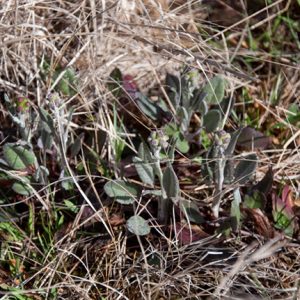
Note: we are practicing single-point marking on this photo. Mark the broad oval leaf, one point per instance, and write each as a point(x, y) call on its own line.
point(212, 120)
point(191, 211)
point(145, 171)
point(22, 188)
point(170, 183)
point(124, 192)
point(18, 157)
point(215, 90)
point(250, 139)
point(245, 168)
point(138, 225)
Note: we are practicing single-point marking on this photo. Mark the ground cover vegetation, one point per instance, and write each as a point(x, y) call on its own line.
point(149, 149)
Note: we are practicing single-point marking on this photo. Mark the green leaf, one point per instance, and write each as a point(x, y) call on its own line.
point(197, 100)
point(148, 107)
point(233, 140)
point(245, 168)
point(138, 225)
point(215, 90)
point(76, 146)
point(182, 144)
point(71, 206)
point(170, 182)
point(68, 83)
point(115, 82)
point(144, 152)
point(145, 171)
point(191, 211)
point(18, 157)
point(173, 84)
point(183, 118)
point(124, 192)
point(22, 188)
point(255, 200)
point(212, 120)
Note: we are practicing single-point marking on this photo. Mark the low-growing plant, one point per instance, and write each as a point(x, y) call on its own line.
point(187, 100)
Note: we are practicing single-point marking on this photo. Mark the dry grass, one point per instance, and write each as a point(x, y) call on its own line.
point(146, 39)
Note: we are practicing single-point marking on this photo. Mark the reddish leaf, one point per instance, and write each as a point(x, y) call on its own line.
point(252, 139)
point(262, 223)
point(188, 234)
point(130, 86)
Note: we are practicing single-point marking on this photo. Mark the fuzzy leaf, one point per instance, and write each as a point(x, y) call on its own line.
point(191, 211)
point(149, 108)
point(22, 188)
point(215, 90)
point(115, 82)
point(212, 120)
point(138, 225)
point(245, 168)
point(124, 192)
point(145, 171)
point(18, 157)
point(144, 152)
point(170, 182)
point(233, 140)
point(198, 98)
point(76, 146)
point(183, 118)
point(250, 139)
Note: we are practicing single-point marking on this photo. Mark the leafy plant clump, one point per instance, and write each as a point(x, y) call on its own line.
point(154, 163)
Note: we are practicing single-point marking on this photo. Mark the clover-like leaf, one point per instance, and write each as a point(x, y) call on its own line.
point(18, 157)
point(245, 168)
point(138, 225)
point(170, 182)
point(212, 120)
point(215, 90)
point(124, 192)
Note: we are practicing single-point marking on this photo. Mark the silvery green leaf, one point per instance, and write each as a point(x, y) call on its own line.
point(245, 168)
point(138, 226)
point(19, 157)
point(197, 100)
point(76, 146)
point(66, 181)
point(183, 118)
point(215, 90)
point(124, 192)
point(145, 171)
point(203, 108)
point(170, 182)
point(212, 120)
point(232, 144)
point(182, 144)
point(149, 108)
point(144, 152)
point(191, 211)
point(22, 188)
point(152, 192)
